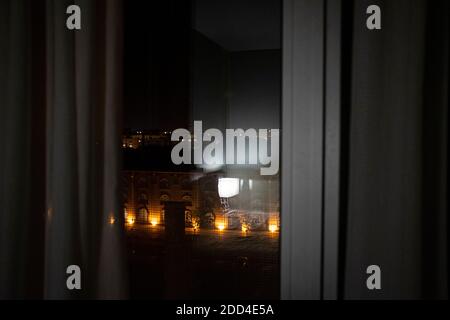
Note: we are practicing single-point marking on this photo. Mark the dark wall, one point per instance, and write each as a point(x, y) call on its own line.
point(210, 82)
point(237, 89)
point(255, 89)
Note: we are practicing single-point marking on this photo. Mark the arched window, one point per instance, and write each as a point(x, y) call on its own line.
point(186, 184)
point(143, 197)
point(164, 184)
point(187, 198)
point(142, 182)
point(164, 197)
point(188, 217)
point(143, 214)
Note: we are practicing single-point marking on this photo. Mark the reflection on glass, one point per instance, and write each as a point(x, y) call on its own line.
point(208, 226)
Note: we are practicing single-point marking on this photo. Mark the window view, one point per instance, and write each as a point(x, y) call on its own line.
point(200, 178)
point(142, 153)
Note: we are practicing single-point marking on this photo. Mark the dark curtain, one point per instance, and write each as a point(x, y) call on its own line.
point(397, 214)
point(60, 100)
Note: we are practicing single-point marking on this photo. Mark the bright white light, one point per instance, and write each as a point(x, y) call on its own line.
point(228, 187)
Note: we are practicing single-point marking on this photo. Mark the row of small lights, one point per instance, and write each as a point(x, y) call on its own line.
point(220, 226)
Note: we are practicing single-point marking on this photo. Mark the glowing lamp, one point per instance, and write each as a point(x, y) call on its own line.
point(273, 228)
point(196, 225)
point(130, 220)
point(228, 187)
point(221, 226)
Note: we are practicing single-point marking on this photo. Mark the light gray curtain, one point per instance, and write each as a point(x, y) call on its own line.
point(397, 212)
point(74, 78)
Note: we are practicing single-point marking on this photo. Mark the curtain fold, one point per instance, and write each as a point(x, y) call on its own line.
point(15, 159)
point(112, 269)
point(398, 130)
point(75, 80)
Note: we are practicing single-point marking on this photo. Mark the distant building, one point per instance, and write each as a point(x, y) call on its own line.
point(145, 192)
point(150, 179)
point(133, 139)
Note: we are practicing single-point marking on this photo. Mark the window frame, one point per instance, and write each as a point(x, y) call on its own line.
point(310, 152)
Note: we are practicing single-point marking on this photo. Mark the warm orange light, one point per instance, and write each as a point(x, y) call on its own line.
point(195, 224)
point(112, 220)
point(153, 219)
point(244, 228)
point(273, 228)
point(130, 219)
point(220, 222)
